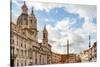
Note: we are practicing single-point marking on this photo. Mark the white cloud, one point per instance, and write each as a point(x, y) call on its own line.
point(89, 26)
point(78, 38)
point(57, 37)
point(46, 19)
point(83, 10)
point(13, 16)
point(53, 33)
point(63, 24)
point(43, 5)
point(40, 35)
point(73, 50)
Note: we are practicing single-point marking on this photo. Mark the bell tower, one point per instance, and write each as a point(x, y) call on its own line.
point(32, 20)
point(45, 36)
point(32, 23)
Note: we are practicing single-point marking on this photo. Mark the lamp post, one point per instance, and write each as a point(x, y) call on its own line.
point(90, 52)
point(67, 51)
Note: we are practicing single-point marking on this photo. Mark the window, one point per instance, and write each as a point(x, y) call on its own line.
point(21, 52)
point(12, 51)
point(17, 63)
point(31, 21)
point(12, 34)
point(17, 50)
point(12, 41)
point(25, 19)
point(25, 62)
point(21, 44)
point(25, 52)
point(23, 33)
point(44, 35)
point(26, 22)
point(22, 63)
point(25, 45)
point(17, 41)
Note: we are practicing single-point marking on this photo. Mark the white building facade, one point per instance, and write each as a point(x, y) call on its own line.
point(25, 49)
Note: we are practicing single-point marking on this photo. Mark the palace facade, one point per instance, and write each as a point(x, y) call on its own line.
point(56, 58)
point(89, 54)
point(24, 45)
point(70, 58)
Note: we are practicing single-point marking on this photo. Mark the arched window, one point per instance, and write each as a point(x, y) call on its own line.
point(17, 62)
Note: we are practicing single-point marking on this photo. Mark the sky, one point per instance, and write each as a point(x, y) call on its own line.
point(64, 22)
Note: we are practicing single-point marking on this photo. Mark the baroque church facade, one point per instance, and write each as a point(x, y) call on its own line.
point(24, 45)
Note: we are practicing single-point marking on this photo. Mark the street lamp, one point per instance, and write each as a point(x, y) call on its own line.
point(90, 52)
point(67, 51)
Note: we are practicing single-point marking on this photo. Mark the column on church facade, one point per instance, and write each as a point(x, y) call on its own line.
point(33, 58)
point(46, 59)
point(38, 58)
point(42, 59)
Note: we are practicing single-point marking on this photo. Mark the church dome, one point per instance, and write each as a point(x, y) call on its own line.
point(23, 18)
